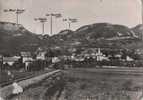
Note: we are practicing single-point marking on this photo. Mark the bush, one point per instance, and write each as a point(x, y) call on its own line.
point(37, 65)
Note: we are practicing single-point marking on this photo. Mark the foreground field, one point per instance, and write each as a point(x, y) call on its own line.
point(6, 79)
point(6, 92)
point(89, 84)
point(104, 84)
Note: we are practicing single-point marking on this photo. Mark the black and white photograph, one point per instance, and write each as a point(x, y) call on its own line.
point(71, 49)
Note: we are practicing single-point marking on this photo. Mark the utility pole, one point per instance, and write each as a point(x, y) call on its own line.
point(1, 61)
point(17, 12)
point(42, 21)
point(70, 21)
point(51, 15)
point(142, 16)
point(142, 10)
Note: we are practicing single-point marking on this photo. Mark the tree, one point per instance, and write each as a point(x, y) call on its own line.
point(49, 53)
point(37, 65)
point(18, 65)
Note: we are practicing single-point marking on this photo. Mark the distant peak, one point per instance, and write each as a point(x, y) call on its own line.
point(140, 26)
point(10, 23)
point(65, 32)
point(10, 26)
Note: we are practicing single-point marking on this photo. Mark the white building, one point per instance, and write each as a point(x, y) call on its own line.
point(100, 56)
point(129, 58)
point(41, 55)
point(10, 60)
point(26, 58)
point(55, 60)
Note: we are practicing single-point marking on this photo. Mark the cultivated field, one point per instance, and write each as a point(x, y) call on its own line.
point(89, 84)
point(104, 84)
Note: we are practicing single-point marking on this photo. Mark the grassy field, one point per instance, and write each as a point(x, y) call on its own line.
point(101, 84)
point(90, 84)
point(36, 88)
point(6, 79)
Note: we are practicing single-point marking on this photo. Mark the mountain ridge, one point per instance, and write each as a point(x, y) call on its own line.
point(15, 38)
point(138, 30)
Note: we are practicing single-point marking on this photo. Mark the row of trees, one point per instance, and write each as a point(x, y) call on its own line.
point(94, 64)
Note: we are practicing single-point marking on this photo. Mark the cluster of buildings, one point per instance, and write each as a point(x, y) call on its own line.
point(99, 55)
point(94, 53)
point(24, 57)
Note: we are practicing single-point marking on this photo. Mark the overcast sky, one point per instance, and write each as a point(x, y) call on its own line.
point(125, 12)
